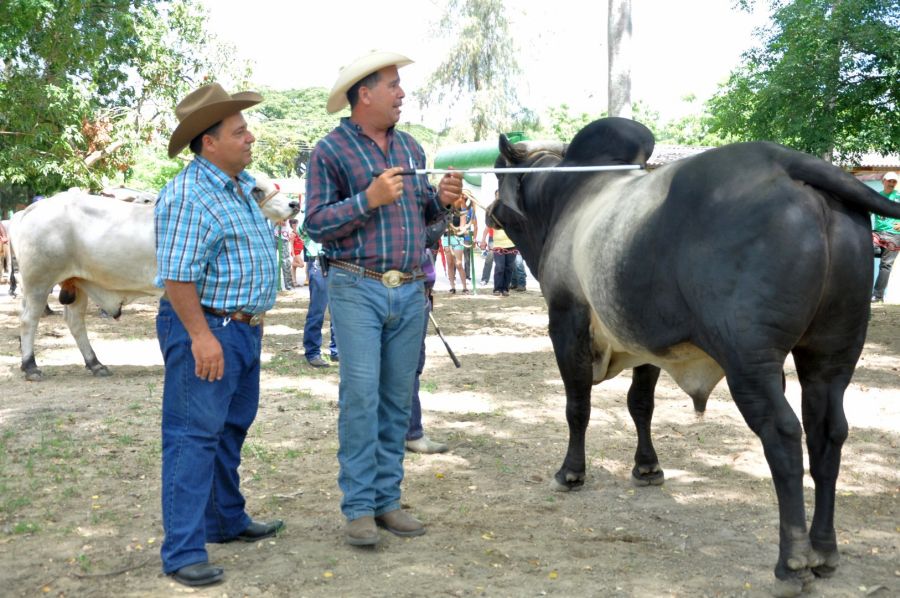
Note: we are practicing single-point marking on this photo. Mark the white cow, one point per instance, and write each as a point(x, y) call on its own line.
point(97, 248)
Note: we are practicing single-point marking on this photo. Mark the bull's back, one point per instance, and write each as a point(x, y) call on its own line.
point(708, 252)
point(78, 236)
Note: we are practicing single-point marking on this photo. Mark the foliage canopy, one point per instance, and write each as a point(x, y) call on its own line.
point(85, 82)
point(824, 79)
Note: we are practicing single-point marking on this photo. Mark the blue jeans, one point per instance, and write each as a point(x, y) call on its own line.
point(415, 430)
point(380, 334)
point(504, 266)
point(315, 314)
point(518, 276)
point(203, 428)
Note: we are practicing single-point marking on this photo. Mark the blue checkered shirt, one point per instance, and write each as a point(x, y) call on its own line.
point(207, 233)
point(390, 237)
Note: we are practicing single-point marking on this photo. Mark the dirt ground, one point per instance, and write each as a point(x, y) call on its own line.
point(79, 474)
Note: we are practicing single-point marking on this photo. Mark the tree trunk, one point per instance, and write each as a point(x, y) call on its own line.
point(619, 42)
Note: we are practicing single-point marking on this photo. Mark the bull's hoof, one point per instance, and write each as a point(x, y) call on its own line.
point(34, 375)
point(648, 475)
point(787, 588)
point(99, 370)
point(826, 565)
point(567, 482)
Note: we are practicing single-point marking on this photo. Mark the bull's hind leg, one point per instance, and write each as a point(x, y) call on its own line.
point(34, 301)
point(826, 430)
point(640, 405)
point(569, 329)
point(757, 391)
point(75, 312)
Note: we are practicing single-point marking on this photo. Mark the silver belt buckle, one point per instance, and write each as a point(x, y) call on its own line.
point(392, 278)
point(256, 319)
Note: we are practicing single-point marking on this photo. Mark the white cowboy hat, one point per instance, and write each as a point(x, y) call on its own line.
point(359, 69)
point(203, 108)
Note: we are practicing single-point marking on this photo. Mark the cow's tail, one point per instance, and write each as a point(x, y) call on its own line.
point(842, 185)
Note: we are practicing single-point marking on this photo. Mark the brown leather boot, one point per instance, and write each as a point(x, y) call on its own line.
point(400, 524)
point(361, 531)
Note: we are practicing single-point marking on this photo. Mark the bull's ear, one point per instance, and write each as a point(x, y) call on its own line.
point(506, 149)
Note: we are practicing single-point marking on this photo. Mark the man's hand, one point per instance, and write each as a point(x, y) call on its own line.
point(208, 357)
point(450, 190)
point(385, 189)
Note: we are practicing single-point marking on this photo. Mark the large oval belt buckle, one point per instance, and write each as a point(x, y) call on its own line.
point(256, 320)
point(392, 278)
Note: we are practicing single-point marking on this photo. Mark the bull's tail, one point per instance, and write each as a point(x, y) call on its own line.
point(841, 185)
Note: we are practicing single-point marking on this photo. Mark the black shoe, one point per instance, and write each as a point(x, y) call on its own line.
point(335, 359)
point(877, 299)
point(198, 574)
point(258, 530)
point(318, 362)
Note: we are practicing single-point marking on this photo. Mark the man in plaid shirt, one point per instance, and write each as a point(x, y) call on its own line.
point(372, 230)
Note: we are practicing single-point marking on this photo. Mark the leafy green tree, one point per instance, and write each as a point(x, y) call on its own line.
point(823, 80)
point(85, 82)
point(287, 126)
point(480, 69)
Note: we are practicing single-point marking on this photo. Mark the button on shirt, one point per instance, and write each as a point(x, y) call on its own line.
point(390, 237)
point(207, 233)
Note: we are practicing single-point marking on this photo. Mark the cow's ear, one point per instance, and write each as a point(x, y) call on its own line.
point(506, 149)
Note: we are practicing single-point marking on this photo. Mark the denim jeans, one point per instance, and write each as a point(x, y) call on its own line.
point(488, 265)
point(887, 263)
point(518, 276)
point(315, 315)
point(379, 331)
point(504, 266)
point(415, 430)
point(203, 428)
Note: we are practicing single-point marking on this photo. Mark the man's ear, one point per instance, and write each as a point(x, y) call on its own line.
point(365, 95)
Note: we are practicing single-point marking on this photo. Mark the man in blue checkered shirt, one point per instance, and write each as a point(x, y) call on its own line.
point(217, 261)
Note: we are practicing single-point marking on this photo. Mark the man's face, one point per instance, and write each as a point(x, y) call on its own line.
point(386, 97)
point(230, 149)
point(889, 185)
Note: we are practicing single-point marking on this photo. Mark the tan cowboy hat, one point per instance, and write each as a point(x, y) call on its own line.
point(203, 108)
point(359, 69)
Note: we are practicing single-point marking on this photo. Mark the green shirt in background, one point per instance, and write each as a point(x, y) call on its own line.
point(884, 224)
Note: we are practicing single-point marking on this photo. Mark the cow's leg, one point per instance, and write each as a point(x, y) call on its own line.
point(75, 313)
point(826, 430)
point(569, 329)
point(33, 303)
point(640, 405)
point(758, 393)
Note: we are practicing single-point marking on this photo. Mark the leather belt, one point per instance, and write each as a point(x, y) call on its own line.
point(390, 279)
point(237, 316)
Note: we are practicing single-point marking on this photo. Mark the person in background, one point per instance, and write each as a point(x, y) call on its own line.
point(487, 251)
point(505, 253)
point(372, 228)
point(216, 260)
point(469, 232)
point(285, 251)
point(416, 439)
point(452, 242)
point(887, 234)
point(297, 261)
point(315, 313)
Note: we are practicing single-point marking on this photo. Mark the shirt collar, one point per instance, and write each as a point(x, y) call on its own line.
point(353, 127)
point(217, 176)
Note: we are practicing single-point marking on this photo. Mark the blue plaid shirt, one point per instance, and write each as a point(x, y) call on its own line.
point(390, 237)
point(207, 233)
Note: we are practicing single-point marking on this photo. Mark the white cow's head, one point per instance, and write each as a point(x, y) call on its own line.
point(275, 206)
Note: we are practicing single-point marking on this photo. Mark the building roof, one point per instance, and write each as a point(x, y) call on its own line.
point(663, 154)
